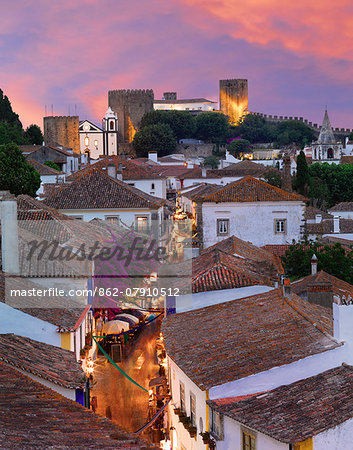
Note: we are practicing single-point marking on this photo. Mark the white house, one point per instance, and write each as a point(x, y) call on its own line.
point(251, 210)
point(48, 175)
point(97, 195)
point(344, 210)
point(246, 348)
point(141, 177)
point(54, 367)
point(170, 102)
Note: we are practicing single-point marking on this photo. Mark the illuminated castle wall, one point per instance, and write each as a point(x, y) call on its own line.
point(233, 98)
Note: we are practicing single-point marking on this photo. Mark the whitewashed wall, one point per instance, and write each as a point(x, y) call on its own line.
point(14, 321)
point(233, 438)
point(338, 438)
point(183, 436)
point(253, 221)
point(342, 214)
point(160, 189)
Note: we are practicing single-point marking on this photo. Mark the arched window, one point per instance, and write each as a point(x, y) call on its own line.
point(86, 141)
point(111, 125)
point(330, 153)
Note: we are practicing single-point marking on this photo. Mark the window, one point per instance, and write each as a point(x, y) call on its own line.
point(222, 227)
point(131, 184)
point(249, 441)
point(86, 141)
point(141, 224)
point(77, 217)
point(280, 226)
point(182, 396)
point(193, 409)
point(112, 219)
point(111, 125)
point(96, 143)
point(216, 424)
point(152, 186)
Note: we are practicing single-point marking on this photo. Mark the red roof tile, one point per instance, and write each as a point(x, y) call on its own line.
point(298, 411)
point(95, 190)
point(43, 169)
point(45, 361)
point(233, 340)
point(34, 416)
point(251, 189)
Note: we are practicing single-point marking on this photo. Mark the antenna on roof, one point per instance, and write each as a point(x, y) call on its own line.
point(45, 110)
point(69, 109)
point(75, 109)
point(52, 109)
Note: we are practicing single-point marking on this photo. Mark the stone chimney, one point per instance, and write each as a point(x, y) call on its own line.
point(119, 174)
point(153, 156)
point(203, 172)
point(314, 265)
point(336, 224)
point(286, 287)
point(320, 293)
point(112, 170)
point(286, 176)
point(9, 233)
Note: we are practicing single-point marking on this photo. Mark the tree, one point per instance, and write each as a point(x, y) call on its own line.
point(6, 113)
point(182, 123)
point(273, 177)
point(11, 133)
point(53, 165)
point(333, 259)
point(16, 175)
point(158, 137)
point(238, 147)
point(255, 129)
point(303, 178)
point(211, 126)
point(293, 132)
point(33, 135)
point(211, 161)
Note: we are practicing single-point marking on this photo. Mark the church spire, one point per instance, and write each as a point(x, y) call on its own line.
point(326, 134)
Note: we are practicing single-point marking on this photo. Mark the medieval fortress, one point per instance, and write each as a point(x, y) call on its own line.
point(128, 106)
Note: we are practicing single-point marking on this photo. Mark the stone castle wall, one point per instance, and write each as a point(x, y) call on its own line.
point(130, 105)
point(62, 130)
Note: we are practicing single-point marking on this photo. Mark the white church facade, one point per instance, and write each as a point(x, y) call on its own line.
point(96, 141)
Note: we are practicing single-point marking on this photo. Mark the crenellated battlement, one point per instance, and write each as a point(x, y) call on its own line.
point(132, 92)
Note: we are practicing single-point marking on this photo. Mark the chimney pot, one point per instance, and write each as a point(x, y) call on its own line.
point(153, 156)
point(336, 224)
point(314, 265)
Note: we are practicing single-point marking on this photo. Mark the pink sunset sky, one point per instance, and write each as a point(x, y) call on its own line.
point(297, 56)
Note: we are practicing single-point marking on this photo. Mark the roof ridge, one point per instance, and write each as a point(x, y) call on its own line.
point(307, 318)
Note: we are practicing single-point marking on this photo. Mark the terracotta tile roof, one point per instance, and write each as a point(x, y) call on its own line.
point(340, 288)
point(45, 361)
point(43, 169)
point(130, 171)
point(233, 340)
point(219, 270)
point(49, 188)
point(63, 312)
point(251, 189)
point(246, 167)
point(203, 188)
point(311, 212)
point(343, 206)
point(277, 250)
point(346, 159)
point(326, 226)
point(96, 190)
point(29, 148)
point(234, 245)
point(34, 416)
point(298, 411)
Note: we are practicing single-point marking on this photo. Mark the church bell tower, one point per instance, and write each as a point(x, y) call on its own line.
point(110, 133)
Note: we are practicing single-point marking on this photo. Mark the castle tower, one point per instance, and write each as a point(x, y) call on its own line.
point(62, 130)
point(129, 107)
point(110, 133)
point(233, 98)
